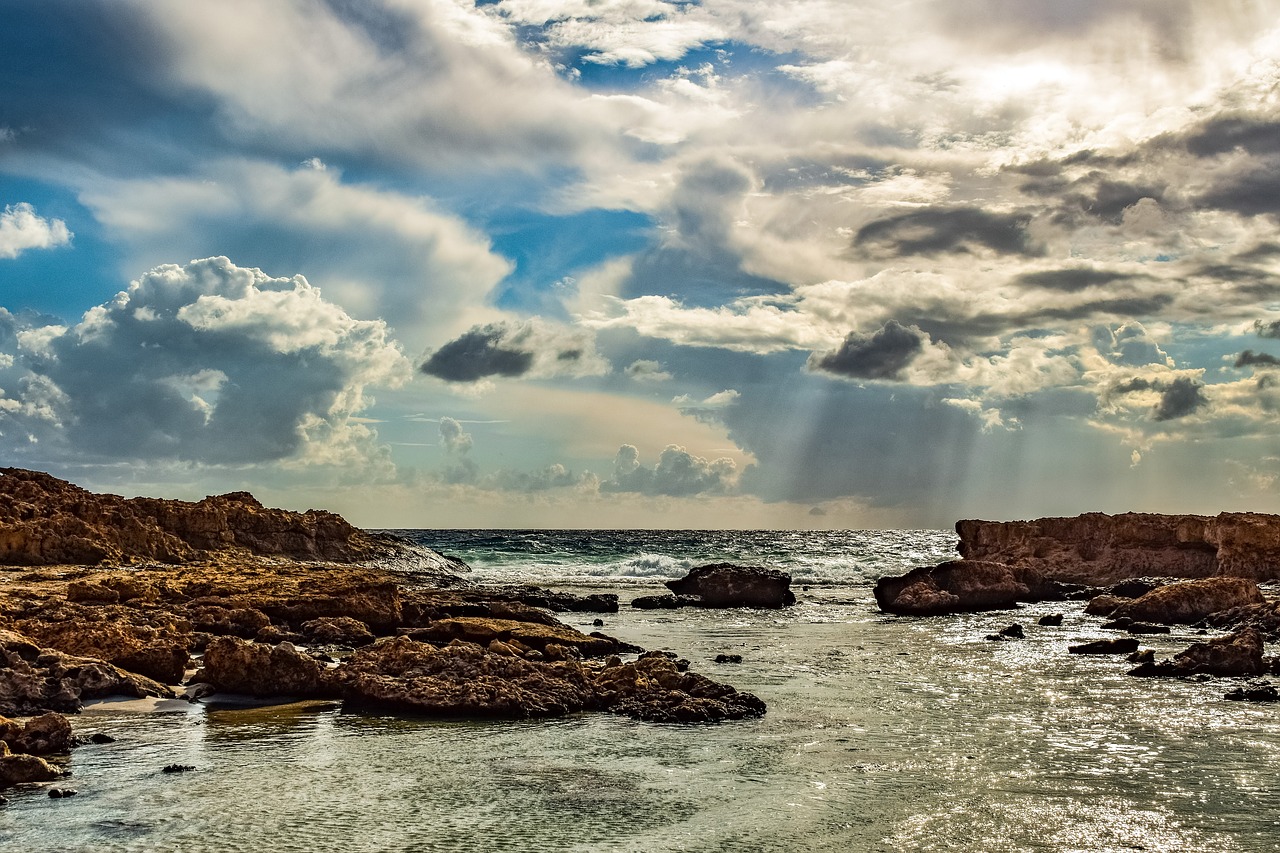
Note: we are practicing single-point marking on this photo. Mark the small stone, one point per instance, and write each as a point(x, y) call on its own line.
point(99, 737)
point(1261, 691)
point(61, 793)
point(723, 658)
point(1147, 628)
point(177, 768)
point(597, 623)
point(1118, 646)
point(1144, 656)
point(1014, 631)
point(1051, 620)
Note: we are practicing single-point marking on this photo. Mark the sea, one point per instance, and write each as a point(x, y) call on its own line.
point(882, 734)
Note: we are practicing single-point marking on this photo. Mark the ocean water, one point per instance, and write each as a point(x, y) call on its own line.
point(883, 734)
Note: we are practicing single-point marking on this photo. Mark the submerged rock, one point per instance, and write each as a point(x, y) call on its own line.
point(1051, 620)
point(1118, 646)
point(1260, 691)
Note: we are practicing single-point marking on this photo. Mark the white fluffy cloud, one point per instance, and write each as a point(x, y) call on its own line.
point(206, 362)
point(21, 228)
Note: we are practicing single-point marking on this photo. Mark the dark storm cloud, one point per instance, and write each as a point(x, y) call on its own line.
point(944, 230)
point(1180, 398)
point(1226, 133)
point(1267, 330)
point(881, 355)
point(1249, 358)
point(1097, 194)
point(480, 352)
point(1253, 191)
point(1071, 279)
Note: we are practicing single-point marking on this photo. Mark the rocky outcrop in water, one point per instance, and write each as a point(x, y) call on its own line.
point(1099, 549)
point(728, 585)
point(1238, 654)
point(960, 586)
point(1189, 601)
point(48, 521)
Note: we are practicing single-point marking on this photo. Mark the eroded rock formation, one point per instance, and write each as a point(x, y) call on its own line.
point(47, 521)
point(961, 586)
point(1098, 549)
point(728, 585)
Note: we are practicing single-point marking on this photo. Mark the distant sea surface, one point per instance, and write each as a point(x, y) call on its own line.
point(883, 734)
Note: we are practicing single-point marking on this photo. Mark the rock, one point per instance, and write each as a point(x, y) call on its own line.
point(1051, 620)
point(597, 623)
point(47, 734)
point(728, 585)
point(1118, 646)
point(557, 602)
point(235, 666)
point(21, 769)
point(177, 768)
point(1013, 632)
point(378, 605)
point(1237, 654)
point(1135, 587)
point(337, 630)
point(48, 521)
point(1261, 691)
point(533, 635)
point(135, 648)
point(1146, 628)
point(1101, 549)
point(1190, 601)
point(274, 634)
point(61, 793)
point(243, 622)
point(465, 680)
point(34, 680)
point(725, 658)
point(1104, 605)
point(100, 737)
point(658, 602)
point(196, 691)
point(1144, 656)
point(959, 586)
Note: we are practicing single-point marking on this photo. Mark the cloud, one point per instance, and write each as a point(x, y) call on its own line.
point(22, 229)
point(884, 354)
point(1249, 358)
point(453, 438)
point(677, 473)
point(647, 370)
point(966, 230)
point(378, 252)
point(1180, 398)
point(533, 348)
point(1129, 345)
point(212, 363)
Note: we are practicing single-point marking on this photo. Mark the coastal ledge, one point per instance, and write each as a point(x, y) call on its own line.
point(1099, 549)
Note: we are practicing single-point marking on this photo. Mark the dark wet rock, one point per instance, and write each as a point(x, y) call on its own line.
point(101, 737)
point(727, 658)
point(1117, 625)
point(666, 601)
point(233, 665)
point(1014, 632)
point(728, 585)
point(597, 623)
point(1189, 601)
point(1144, 656)
point(1264, 616)
point(1118, 646)
point(959, 586)
point(557, 602)
point(1135, 587)
point(1258, 691)
point(177, 768)
point(1051, 620)
point(1238, 654)
point(61, 793)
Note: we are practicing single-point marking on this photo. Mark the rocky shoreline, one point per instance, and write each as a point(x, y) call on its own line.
point(224, 595)
point(1107, 562)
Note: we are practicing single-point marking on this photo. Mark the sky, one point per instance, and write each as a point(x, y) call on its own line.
point(646, 263)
